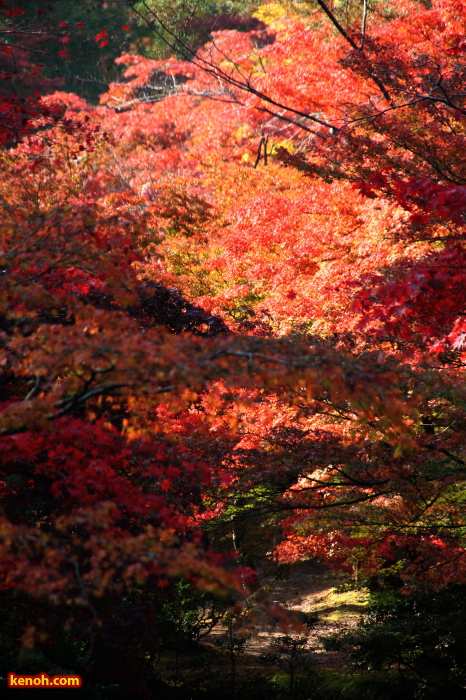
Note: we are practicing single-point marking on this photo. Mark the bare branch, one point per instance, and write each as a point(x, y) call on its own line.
point(352, 43)
point(363, 24)
point(243, 83)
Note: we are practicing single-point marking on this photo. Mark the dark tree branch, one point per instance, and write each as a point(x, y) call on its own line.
point(353, 44)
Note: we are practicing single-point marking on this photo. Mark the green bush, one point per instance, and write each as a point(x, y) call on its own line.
point(416, 642)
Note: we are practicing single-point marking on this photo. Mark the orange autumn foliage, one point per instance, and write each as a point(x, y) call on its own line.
point(236, 287)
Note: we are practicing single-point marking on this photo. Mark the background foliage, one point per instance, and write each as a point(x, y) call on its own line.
point(232, 335)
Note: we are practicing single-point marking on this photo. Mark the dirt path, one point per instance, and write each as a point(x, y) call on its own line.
point(309, 588)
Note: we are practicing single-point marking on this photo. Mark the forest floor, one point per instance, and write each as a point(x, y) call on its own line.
point(308, 588)
point(305, 588)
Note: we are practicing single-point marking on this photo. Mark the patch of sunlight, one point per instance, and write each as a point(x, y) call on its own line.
point(333, 605)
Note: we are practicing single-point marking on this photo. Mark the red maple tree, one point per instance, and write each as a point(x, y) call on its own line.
point(235, 289)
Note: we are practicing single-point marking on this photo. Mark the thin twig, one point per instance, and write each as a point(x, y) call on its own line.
point(363, 25)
